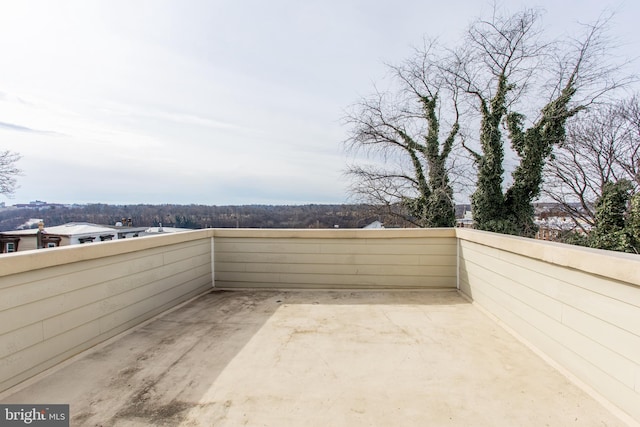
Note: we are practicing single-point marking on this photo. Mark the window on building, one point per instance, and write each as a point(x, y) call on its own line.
point(10, 247)
point(51, 245)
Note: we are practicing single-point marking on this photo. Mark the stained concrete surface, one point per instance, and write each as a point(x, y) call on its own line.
point(316, 358)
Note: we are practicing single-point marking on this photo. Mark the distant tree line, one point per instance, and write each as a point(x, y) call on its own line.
point(203, 216)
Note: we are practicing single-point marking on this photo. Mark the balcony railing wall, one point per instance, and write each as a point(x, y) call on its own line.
point(578, 307)
point(329, 259)
point(55, 303)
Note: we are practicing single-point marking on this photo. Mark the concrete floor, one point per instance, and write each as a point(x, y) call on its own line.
point(311, 358)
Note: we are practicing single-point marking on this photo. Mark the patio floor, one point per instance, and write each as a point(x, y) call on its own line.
point(315, 358)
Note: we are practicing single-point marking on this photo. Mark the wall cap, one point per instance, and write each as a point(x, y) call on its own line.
point(620, 266)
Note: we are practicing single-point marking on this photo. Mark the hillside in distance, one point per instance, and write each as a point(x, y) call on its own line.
point(203, 216)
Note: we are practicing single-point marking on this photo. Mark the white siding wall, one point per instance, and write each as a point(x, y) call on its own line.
point(580, 307)
point(55, 303)
point(324, 259)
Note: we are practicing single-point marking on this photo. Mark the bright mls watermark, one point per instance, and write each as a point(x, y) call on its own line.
point(34, 415)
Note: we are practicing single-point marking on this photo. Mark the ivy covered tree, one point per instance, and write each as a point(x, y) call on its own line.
point(633, 223)
point(617, 220)
point(404, 128)
point(505, 93)
point(610, 230)
point(500, 65)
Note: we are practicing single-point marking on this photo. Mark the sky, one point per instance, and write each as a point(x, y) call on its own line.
point(214, 101)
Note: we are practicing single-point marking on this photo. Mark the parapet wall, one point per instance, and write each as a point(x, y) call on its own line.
point(330, 259)
point(578, 306)
point(55, 303)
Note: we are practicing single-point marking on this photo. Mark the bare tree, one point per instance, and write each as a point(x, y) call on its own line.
point(602, 146)
point(401, 130)
point(629, 158)
point(8, 172)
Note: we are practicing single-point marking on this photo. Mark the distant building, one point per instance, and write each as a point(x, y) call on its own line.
point(374, 224)
point(73, 233)
point(38, 204)
point(152, 231)
point(551, 227)
point(9, 243)
point(62, 235)
point(466, 221)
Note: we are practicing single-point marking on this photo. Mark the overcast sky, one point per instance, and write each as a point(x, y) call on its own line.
point(212, 102)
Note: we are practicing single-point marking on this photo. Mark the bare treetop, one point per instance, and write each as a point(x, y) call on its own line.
point(8, 172)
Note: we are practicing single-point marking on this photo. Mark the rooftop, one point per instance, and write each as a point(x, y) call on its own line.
point(324, 327)
point(316, 358)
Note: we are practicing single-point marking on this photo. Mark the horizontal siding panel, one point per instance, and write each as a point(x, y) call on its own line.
point(622, 396)
point(333, 247)
point(510, 265)
point(43, 355)
point(609, 335)
point(187, 250)
point(625, 292)
point(573, 294)
point(347, 269)
point(115, 287)
point(488, 272)
point(49, 314)
point(533, 317)
point(351, 259)
point(19, 317)
point(304, 238)
point(92, 265)
point(97, 267)
point(59, 282)
point(323, 280)
point(430, 283)
point(42, 274)
point(483, 296)
point(15, 341)
point(596, 337)
point(623, 315)
point(613, 364)
point(613, 266)
point(65, 321)
point(46, 308)
point(335, 262)
point(336, 234)
point(148, 307)
point(141, 293)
